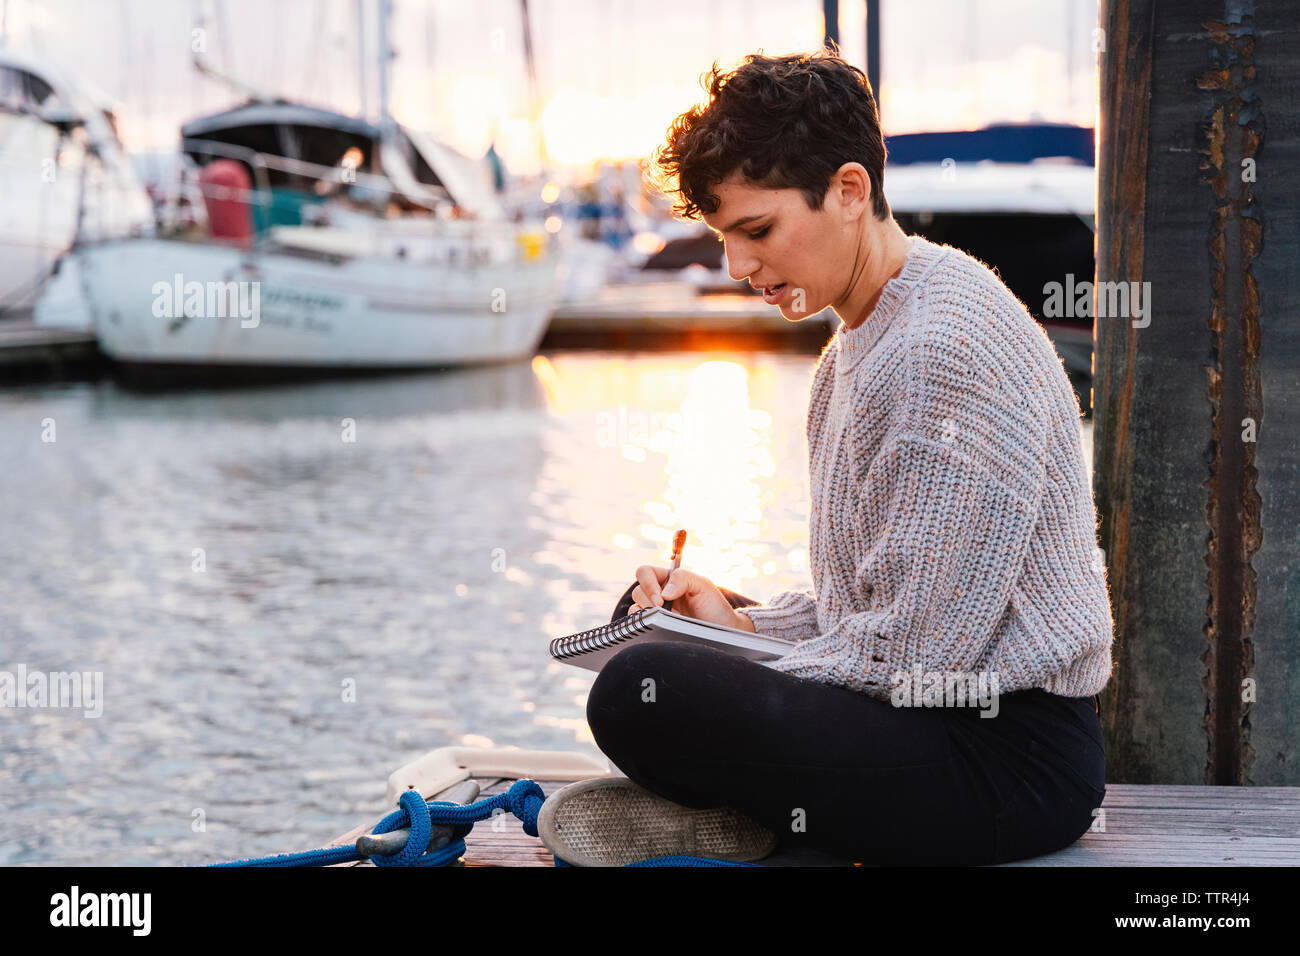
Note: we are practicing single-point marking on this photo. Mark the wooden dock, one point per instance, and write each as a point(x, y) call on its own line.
point(675, 315)
point(1142, 826)
point(1188, 826)
point(28, 350)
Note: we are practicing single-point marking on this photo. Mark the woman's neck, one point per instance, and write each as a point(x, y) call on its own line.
point(885, 253)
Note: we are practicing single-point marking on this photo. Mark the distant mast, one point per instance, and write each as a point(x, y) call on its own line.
point(362, 56)
point(831, 38)
point(222, 75)
point(873, 50)
point(534, 94)
point(831, 24)
point(385, 61)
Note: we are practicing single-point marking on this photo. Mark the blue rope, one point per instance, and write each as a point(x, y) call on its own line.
point(524, 799)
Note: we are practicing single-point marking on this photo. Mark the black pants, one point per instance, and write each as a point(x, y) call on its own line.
point(833, 770)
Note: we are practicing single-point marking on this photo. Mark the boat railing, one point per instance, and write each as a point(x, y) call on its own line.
point(260, 163)
point(438, 202)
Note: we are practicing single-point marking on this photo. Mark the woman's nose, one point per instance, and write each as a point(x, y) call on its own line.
point(740, 266)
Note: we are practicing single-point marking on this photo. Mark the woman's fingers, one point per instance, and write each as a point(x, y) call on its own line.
point(639, 599)
point(649, 579)
point(679, 583)
point(656, 585)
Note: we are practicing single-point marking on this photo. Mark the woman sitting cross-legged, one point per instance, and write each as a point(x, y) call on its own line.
point(939, 705)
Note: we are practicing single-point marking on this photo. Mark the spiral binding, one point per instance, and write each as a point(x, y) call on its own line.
point(600, 638)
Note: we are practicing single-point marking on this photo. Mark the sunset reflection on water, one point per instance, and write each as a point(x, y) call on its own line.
point(686, 440)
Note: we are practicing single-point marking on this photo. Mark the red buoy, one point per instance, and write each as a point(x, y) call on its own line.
point(226, 195)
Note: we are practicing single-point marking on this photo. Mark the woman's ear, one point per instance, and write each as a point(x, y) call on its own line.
point(851, 189)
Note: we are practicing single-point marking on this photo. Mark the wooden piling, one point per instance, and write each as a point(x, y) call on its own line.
point(1197, 402)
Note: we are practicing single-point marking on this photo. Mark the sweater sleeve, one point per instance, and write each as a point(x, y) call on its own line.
point(950, 539)
point(791, 615)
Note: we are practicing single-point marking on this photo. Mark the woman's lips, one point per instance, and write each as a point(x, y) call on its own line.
point(774, 294)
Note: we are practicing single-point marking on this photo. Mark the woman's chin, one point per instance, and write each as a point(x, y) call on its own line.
point(790, 314)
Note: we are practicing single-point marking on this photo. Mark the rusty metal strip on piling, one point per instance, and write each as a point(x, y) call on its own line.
point(1232, 132)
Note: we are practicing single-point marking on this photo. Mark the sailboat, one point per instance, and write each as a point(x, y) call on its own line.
point(65, 174)
point(331, 242)
point(1018, 196)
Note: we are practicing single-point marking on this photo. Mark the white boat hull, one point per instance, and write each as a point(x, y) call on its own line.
point(38, 208)
point(49, 185)
point(371, 312)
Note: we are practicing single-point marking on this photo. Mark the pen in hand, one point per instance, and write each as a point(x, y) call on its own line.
point(679, 542)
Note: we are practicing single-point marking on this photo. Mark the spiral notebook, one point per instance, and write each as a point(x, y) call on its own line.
point(590, 649)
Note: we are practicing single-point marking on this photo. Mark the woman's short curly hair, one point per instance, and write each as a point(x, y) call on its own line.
point(783, 121)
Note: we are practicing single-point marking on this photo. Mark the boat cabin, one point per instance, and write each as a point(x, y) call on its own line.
point(298, 157)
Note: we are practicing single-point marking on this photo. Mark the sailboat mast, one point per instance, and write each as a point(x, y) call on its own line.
point(873, 49)
point(385, 59)
point(199, 58)
point(361, 55)
point(534, 94)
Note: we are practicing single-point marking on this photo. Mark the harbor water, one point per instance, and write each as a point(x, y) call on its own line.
point(287, 592)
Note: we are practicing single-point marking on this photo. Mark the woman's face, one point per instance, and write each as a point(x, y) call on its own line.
point(774, 240)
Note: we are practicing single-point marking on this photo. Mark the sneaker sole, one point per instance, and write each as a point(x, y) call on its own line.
point(612, 821)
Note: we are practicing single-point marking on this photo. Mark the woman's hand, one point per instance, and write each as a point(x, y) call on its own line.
point(692, 594)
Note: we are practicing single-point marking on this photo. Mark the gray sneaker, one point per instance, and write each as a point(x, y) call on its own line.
point(611, 821)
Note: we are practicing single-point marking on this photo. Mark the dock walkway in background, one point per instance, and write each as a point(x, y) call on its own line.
point(27, 348)
point(674, 314)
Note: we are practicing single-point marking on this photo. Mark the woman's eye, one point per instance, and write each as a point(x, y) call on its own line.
point(761, 233)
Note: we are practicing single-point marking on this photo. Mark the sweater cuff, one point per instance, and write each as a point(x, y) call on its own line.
point(790, 615)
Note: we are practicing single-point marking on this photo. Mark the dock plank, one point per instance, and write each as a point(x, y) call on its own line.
point(1188, 826)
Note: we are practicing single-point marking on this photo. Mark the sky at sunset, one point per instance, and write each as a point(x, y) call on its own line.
point(612, 74)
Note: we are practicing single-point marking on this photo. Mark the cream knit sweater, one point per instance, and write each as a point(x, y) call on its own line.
point(952, 526)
